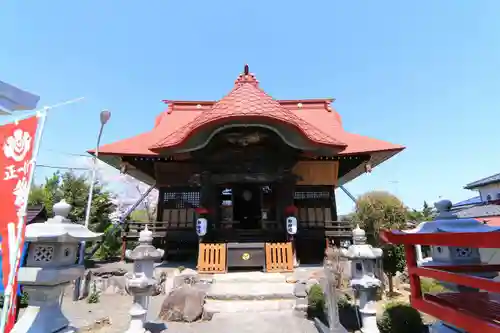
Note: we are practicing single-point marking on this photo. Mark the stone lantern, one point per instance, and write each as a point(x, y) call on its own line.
point(141, 284)
point(446, 221)
point(363, 259)
point(49, 269)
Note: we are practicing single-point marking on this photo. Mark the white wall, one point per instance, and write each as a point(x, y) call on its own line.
point(490, 256)
point(493, 190)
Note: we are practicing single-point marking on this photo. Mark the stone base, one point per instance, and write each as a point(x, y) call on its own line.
point(43, 315)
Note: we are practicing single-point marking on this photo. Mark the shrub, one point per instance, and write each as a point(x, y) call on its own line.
point(23, 300)
point(181, 268)
point(399, 317)
point(316, 302)
point(431, 286)
point(344, 301)
point(95, 295)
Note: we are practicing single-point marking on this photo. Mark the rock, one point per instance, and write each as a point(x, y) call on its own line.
point(183, 304)
point(291, 279)
point(188, 272)
point(311, 282)
point(162, 277)
point(403, 277)
point(106, 272)
point(114, 285)
point(300, 290)
point(301, 304)
point(85, 286)
point(187, 276)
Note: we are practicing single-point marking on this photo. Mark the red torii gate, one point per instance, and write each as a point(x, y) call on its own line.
point(472, 311)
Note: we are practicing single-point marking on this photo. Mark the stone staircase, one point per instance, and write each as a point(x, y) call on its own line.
point(250, 292)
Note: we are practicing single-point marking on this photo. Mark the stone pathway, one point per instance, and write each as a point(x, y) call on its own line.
point(114, 308)
point(254, 311)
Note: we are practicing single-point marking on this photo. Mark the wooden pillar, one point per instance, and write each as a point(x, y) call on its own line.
point(208, 200)
point(286, 196)
point(411, 262)
point(124, 248)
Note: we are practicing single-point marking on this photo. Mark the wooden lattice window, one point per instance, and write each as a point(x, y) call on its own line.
point(315, 205)
point(178, 198)
point(313, 196)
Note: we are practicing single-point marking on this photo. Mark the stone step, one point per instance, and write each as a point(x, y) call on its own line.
point(247, 277)
point(251, 291)
point(218, 306)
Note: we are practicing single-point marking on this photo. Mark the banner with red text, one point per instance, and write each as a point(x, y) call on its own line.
point(16, 161)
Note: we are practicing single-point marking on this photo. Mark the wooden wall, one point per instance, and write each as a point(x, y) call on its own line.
point(317, 172)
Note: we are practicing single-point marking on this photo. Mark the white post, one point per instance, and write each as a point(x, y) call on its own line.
point(420, 257)
point(104, 117)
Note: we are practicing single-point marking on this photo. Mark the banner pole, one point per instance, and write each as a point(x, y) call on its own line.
point(14, 254)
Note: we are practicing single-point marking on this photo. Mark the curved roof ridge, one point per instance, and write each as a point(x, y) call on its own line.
point(247, 99)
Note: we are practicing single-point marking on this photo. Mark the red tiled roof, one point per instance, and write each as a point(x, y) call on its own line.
point(315, 118)
point(249, 101)
point(493, 221)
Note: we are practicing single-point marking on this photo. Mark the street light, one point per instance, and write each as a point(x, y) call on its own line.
point(104, 118)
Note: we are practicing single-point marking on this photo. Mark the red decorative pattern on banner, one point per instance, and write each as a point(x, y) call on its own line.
point(18, 140)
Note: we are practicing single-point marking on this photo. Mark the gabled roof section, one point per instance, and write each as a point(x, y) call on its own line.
point(247, 100)
point(483, 182)
point(316, 119)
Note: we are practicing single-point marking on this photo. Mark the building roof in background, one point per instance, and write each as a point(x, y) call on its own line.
point(489, 213)
point(471, 201)
point(34, 212)
point(15, 99)
point(483, 182)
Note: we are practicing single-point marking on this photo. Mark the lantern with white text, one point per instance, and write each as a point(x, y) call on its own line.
point(291, 225)
point(201, 226)
point(201, 222)
point(291, 220)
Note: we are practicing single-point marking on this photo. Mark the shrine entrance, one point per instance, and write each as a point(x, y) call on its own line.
point(247, 205)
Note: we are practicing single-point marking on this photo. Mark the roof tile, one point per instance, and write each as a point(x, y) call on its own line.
point(248, 100)
point(482, 182)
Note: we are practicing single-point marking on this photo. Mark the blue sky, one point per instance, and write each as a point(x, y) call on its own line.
point(425, 74)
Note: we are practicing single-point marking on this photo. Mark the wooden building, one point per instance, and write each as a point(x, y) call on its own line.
point(245, 160)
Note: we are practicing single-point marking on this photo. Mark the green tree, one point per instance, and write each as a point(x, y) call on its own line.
point(426, 214)
point(74, 189)
point(377, 211)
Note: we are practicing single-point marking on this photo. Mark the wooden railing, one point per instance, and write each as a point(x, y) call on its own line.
point(339, 229)
point(279, 257)
point(132, 229)
point(212, 258)
point(474, 311)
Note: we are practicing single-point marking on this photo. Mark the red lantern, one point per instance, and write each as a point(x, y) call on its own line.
point(201, 211)
point(290, 210)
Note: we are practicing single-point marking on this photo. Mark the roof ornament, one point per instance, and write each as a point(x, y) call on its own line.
point(246, 77)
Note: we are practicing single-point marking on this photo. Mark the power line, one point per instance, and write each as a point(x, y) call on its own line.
point(66, 153)
point(60, 167)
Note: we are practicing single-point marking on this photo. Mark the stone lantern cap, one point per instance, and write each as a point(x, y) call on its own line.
point(446, 221)
point(145, 251)
point(59, 228)
point(361, 250)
